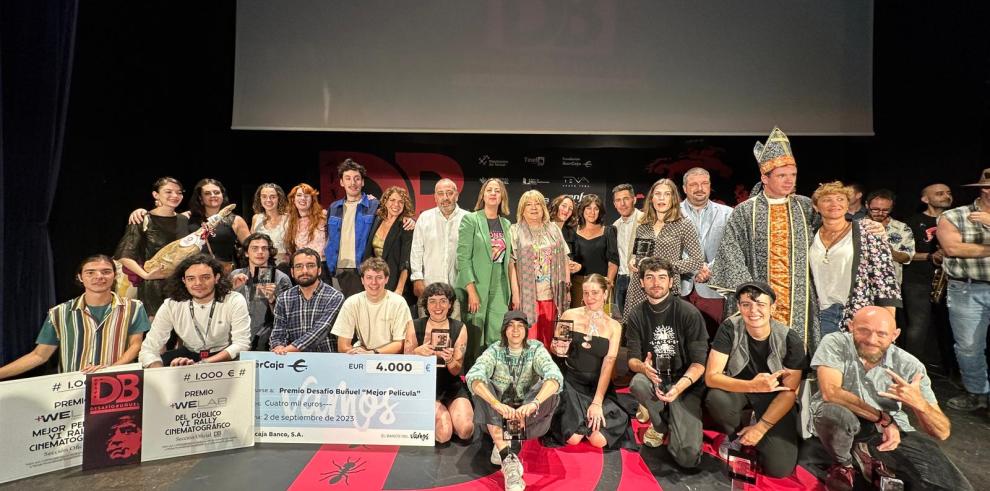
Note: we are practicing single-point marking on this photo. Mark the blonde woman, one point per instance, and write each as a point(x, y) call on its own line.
point(663, 232)
point(271, 208)
point(484, 249)
point(538, 273)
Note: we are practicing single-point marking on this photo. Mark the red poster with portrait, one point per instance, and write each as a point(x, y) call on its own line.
point(112, 419)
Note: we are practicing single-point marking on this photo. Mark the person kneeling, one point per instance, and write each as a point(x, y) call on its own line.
point(757, 362)
point(432, 336)
point(668, 329)
point(515, 385)
point(864, 383)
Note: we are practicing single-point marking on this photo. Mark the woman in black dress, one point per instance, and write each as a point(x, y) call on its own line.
point(454, 412)
point(589, 408)
point(594, 247)
point(142, 240)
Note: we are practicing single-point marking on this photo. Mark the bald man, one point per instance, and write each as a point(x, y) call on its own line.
point(433, 257)
point(866, 383)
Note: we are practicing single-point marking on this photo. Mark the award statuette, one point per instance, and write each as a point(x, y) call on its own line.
point(440, 339)
point(741, 466)
point(663, 370)
point(642, 247)
point(562, 333)
point(512, 429)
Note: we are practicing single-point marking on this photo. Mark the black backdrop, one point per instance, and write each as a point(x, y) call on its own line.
point(152, 88)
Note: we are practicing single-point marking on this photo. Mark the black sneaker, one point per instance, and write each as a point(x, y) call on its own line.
point(968, 402)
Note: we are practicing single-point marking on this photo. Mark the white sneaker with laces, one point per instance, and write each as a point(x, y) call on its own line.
point(496, 459)
point(512, 472)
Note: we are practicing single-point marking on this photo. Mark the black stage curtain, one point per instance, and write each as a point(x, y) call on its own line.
point(37, 40)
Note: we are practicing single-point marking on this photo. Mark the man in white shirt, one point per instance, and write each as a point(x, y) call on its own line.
point(433, 257)
point(710, 219)
point(211, 320)
point(378, 316)
point(624, 200)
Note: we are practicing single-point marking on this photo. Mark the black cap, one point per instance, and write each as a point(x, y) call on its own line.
point(759, 285)
point(515, 315)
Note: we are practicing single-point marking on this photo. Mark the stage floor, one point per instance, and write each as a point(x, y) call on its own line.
point(465, 466)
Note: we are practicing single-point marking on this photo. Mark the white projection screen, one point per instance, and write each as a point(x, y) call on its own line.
point(724, 67)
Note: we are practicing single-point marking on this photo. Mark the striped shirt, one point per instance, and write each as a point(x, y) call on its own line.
point(500, 368)
point(967, 268)
point(306, 324)
point(92, 335)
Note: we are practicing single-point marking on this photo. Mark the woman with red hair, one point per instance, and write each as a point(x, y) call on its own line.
point(307, 225)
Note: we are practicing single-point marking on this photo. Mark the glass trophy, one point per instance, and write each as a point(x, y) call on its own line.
point(562, 332)
point(642, 247)
point(741, 466)
point(440, 339)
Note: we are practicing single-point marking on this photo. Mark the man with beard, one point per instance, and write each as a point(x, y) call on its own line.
point(433, 256)
point(305, 313)
point(756, 362)
point(964, 234)
point(211, 320)
point(925, 317)
point(91, 331)
point(377, 316)
point(709, 218)
point(865, 382)
point(671, 331)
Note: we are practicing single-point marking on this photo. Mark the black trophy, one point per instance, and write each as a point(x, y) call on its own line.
point(563, 331)
point(663, 370)
point(440, 339)
point(642, 247)
point(512, 429)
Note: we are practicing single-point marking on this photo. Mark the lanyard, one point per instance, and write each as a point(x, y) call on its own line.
point(209, 322)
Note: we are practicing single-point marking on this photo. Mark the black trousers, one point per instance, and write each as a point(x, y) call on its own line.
point(927, 322)
point(777, 452)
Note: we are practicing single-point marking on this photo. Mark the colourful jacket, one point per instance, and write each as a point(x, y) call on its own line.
point(874, 281)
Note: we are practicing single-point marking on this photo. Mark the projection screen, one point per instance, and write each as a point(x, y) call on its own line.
point(723, 67)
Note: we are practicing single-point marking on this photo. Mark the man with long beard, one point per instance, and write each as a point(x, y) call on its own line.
point(304, 314)
point(865, 382)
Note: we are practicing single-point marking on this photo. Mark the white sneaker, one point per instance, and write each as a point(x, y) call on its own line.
point(512, 472)
point(496, 459)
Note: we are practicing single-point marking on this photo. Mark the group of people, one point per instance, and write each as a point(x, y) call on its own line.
point(731, 312)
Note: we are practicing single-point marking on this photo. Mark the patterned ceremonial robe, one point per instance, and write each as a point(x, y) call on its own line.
point(770, 243)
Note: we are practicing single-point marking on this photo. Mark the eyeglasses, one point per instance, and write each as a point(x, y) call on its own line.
point(438, 301)
point(879, 211)
point(212, 193)
point(303, 266)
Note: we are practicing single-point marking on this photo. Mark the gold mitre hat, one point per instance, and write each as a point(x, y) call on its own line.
point(776, 152)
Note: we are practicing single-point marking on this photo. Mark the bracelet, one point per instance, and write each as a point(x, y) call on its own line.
point(769, 424)
point(596, 404)
point(689, 379)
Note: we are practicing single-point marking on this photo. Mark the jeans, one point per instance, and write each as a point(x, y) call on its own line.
point(925, 321)
point(969, 314)
point(621, 285)
point(917, 460)
point(830, 318)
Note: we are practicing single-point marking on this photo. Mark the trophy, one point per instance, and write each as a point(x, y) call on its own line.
point(562, 333)
point(663, 370)
point(512, 429)
point(741, 466)
point(168, 257)
point(260, 278)
point(642, 247)
point(440, 339)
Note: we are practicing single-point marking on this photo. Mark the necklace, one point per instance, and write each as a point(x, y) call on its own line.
point(593, 318)
point(835, 238)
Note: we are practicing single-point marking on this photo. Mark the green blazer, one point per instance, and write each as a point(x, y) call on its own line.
point(474, 260)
